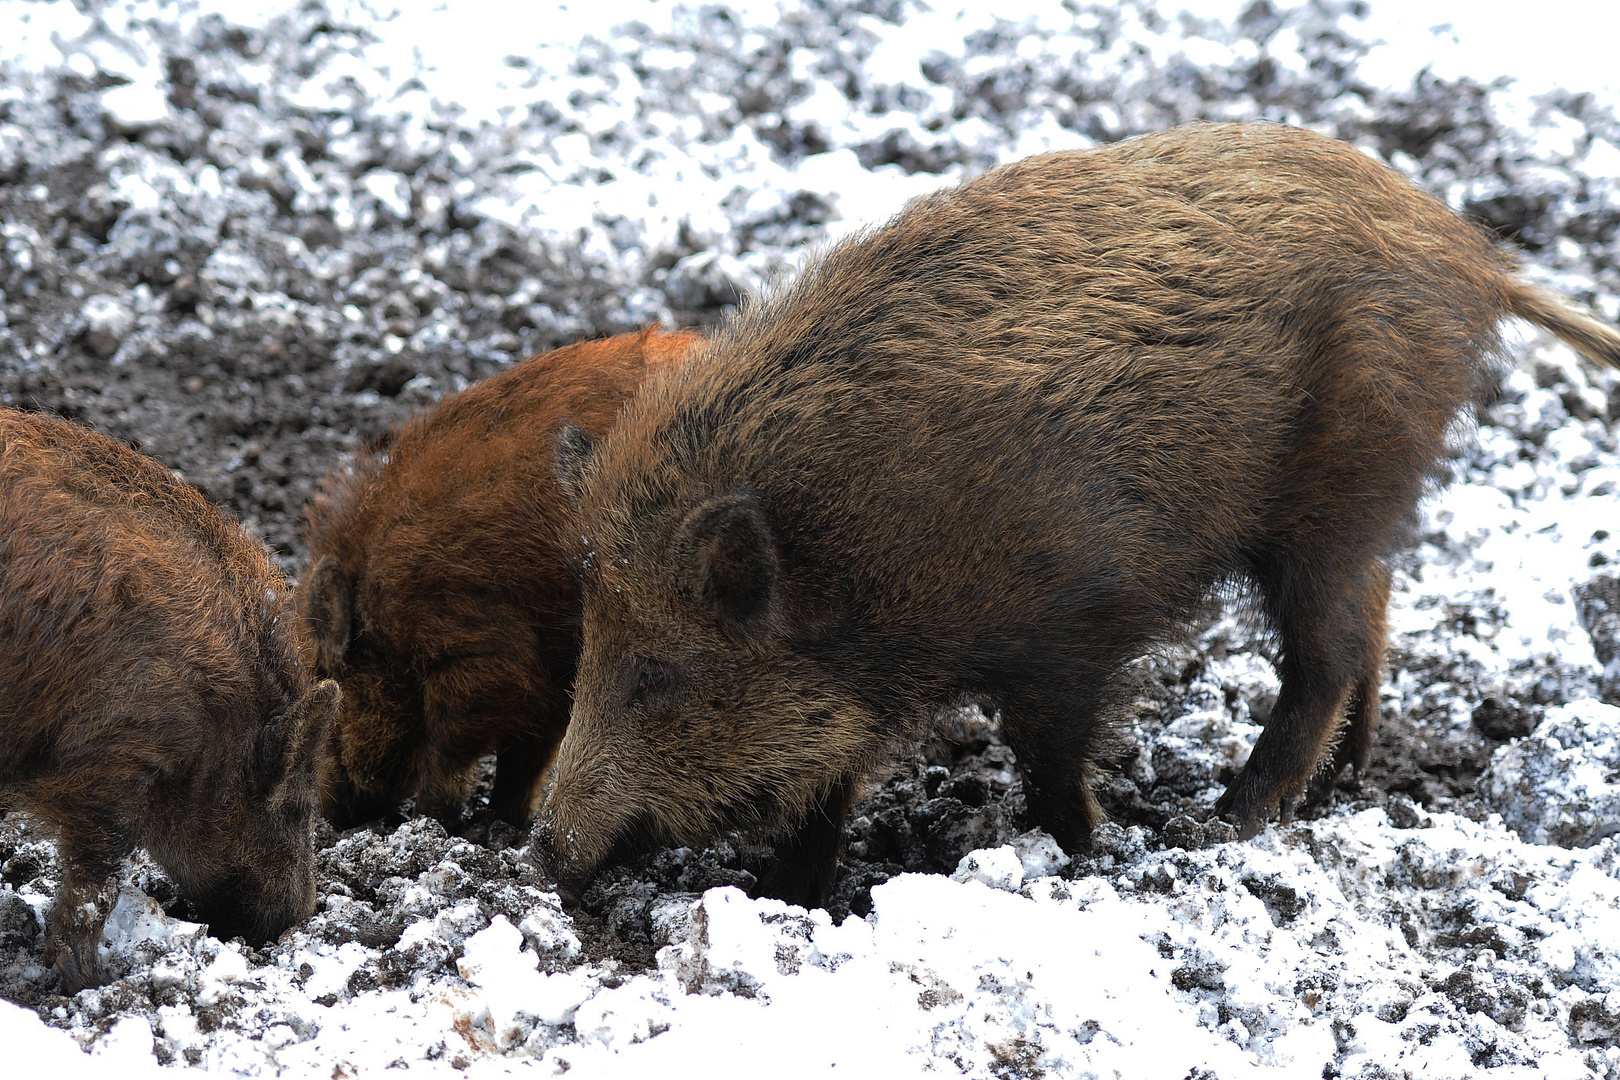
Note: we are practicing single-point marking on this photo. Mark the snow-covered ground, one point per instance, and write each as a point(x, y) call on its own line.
point(250, 235)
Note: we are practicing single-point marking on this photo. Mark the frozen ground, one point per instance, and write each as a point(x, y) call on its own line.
point(248, 238)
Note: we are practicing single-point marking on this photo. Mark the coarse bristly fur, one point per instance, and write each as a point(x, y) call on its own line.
point(1002, 445)
point(150, 690)
point(441, 596)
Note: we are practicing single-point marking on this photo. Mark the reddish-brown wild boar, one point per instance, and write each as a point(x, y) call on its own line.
point(1000, 446)
point(441, 598)
point(150, 690)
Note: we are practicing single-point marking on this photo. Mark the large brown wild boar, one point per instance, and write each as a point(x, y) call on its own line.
point(1000, 446)
point(150, 690)
point(441, 598)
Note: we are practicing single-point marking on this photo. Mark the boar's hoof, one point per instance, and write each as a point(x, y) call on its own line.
point(76, 973)
point(1248, 829)
point(1247, 812)
point(1285, 815)
point(1326, 781)
point(497, 833)
point(804, 882)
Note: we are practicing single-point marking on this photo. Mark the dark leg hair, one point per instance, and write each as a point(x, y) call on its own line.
point(807, 858)
point(1055, 742)
point(1329, 614)
point(519, 768)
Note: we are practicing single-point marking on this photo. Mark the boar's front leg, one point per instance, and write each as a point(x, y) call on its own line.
point(806, 859)
point(73, 929)
point(346, 804)
point(519, 768)
point(1055, 741)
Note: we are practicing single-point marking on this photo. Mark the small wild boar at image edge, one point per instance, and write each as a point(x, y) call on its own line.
point(995, 449)
point(152, 694)
point(441, 595)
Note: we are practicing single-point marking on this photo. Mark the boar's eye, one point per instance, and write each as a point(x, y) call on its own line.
point(649, 679)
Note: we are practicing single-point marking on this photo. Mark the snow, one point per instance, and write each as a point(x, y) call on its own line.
point(1563, 46)
point(1433, 945)
point(1557, 785)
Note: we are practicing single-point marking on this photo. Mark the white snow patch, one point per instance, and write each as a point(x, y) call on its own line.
point(1561, 785)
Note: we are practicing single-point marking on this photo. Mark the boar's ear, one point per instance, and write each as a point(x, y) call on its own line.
point(328, 613)
point(308, 725)
point(725, 564)
point(574, 448)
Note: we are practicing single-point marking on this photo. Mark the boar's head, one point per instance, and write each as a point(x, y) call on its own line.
point(703, 699)
point(245, 858)
point(438, 665)
point(375, 753)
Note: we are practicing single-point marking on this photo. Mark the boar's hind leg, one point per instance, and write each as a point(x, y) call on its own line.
point(1330, 619)
point(1354, 749)
point(89, 887)
point(807, 858)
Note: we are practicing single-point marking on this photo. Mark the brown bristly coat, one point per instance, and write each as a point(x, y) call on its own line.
point(441, 597)
point(1002, 445)
point(150, 690)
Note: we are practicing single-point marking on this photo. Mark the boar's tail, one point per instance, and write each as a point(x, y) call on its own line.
point(1597, 341)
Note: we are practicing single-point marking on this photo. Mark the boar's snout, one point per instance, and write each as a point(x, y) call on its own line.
point(568, 848)
point(264, 894)
point(268, 882)
point(245, 912)
point(548, 857)
point(589, 813)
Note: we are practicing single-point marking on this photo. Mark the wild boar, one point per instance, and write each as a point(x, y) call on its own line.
point(150, 690)
point(1002, 445)
point(441, 597)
